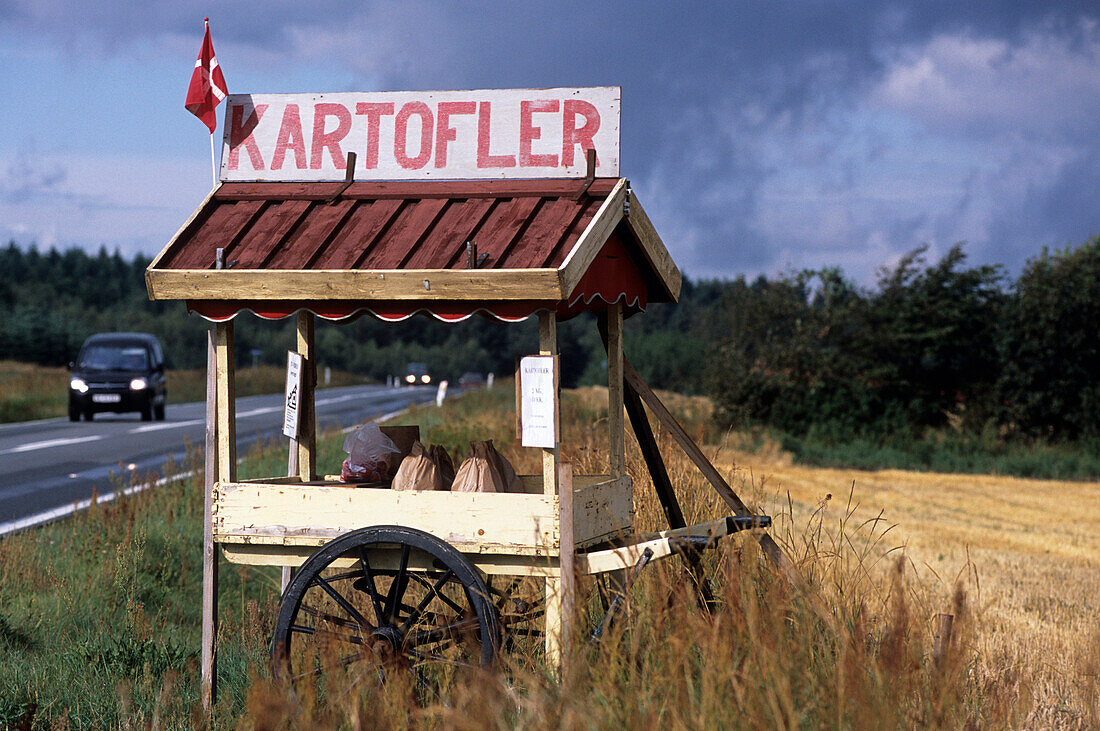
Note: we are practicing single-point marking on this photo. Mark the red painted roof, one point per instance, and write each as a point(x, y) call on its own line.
point(396, 248)
point(387, 225)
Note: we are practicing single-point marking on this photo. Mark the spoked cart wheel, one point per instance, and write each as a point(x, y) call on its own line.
point(384, 600)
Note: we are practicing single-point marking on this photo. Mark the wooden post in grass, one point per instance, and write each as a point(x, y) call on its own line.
point(208, 663)
point(307, 418)
point(942, 640)
point(567, 547)
point(548, 345)
point(612, 327)
point(302, 460)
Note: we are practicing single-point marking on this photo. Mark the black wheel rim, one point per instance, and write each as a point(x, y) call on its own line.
point(385, 600)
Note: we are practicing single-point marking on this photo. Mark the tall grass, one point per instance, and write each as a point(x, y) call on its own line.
point(99, 622)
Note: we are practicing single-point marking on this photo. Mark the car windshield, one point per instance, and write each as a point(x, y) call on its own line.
point(114, 358)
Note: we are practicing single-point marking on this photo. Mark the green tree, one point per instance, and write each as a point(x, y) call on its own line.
point(1050, 384)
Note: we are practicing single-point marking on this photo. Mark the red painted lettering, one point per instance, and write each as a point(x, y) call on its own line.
point(528, 133)
point(401, 133)
point(444, 132)
point(484, 159)
point(290, 138)
point(571, 135)
point(330, 141)
point(374, 112)
point(240, 134)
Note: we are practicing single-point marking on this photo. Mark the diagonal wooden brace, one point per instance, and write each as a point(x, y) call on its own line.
point(634, 383)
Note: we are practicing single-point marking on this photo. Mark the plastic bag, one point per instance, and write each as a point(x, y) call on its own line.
point(486, 470)
point(369, 452)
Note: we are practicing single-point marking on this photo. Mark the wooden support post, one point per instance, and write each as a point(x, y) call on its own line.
point(226, 409)
point(691, 449)
point(209, 661)
point(647, 443)
point(548, 345)
point(307, 415)
point(613, 342)
point(561, 592)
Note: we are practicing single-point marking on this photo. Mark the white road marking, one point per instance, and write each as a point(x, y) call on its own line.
point(167, 425)
point(31, 446)
point(257, 412)
point(32, 520)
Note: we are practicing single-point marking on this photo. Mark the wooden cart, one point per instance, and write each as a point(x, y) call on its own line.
point(428, 576)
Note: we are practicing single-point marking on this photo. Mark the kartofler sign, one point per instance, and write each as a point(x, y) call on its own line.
point(417, 135)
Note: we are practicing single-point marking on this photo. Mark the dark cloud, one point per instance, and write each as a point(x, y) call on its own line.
point(760, 135)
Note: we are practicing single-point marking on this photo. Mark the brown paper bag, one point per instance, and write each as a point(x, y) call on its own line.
point(418, 471)
point(486, 470)
point(442, 458)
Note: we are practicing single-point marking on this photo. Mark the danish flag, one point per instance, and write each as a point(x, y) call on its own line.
point(207, 87)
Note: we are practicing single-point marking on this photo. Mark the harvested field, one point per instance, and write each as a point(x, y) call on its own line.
point(1027, 551)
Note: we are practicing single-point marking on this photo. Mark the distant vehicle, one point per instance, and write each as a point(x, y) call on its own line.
point(471, 380)
point(118, 372)
point(417, 373)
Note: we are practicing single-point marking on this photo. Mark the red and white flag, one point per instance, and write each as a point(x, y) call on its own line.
point(207, 87)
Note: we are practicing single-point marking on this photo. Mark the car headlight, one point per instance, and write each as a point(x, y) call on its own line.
point(78, 384)
point(426, 378)
point(138, 384)
point(410, 378)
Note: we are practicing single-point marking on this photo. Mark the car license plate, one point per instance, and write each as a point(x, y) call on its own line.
point(106, 398)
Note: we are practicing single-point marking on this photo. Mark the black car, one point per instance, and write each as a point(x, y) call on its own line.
point(118, 372)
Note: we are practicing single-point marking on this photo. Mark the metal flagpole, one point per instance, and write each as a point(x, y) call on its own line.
point(213, 160)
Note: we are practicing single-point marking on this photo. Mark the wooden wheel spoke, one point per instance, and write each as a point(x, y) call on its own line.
point(372, 590)
point(397, 587)
point(322, 632)
point(387, 610)
point(426, 637)
point(342, 662)
point(438, 658)
point(414, 615)
point(333, 619)
point(459, 609)
point(339, 599)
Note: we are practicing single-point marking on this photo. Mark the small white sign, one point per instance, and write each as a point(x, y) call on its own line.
point(422, 135)
point(293, 394)
point(538, 401)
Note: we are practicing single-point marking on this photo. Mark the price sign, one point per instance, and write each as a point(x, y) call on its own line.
point(538, 395)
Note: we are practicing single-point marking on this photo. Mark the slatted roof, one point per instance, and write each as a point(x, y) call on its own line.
point(394, 248)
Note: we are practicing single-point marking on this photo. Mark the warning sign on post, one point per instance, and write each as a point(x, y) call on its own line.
point(293, 394)
point(537, 384)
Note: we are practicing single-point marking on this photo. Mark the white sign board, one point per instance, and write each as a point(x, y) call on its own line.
point(422, 135)
point(293, 394)
point(538, 391)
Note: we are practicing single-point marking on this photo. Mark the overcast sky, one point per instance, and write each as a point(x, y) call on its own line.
point(760, 136)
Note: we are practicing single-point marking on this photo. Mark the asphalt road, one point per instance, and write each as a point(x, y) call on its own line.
point(47, 466)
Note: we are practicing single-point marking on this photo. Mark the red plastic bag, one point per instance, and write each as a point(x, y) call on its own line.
point(369, 453)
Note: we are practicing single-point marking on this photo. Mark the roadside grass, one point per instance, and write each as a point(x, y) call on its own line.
point(99, 614)
point(30, 392)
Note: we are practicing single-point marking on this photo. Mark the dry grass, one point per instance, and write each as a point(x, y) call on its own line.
point(852, 648)
point(1028, 549)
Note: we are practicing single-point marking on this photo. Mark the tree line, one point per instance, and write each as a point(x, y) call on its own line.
point(930, 345)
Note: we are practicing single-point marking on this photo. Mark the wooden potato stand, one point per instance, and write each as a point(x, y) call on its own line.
point(523, 222)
